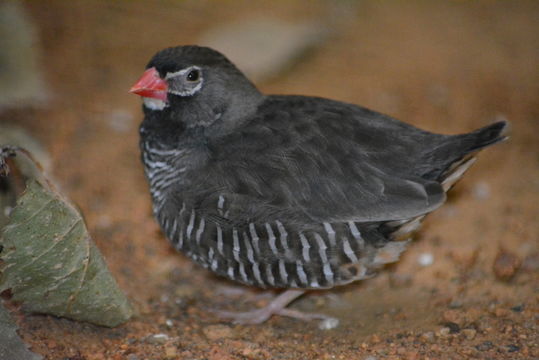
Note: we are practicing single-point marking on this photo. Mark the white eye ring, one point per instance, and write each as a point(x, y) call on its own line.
point(184, 73)
point(181, 72)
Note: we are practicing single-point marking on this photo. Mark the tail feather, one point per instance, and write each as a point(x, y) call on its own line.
point(481, 138)
point(446, 164)
point(438, 163)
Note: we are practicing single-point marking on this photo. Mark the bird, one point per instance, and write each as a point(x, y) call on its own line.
point(286, 192)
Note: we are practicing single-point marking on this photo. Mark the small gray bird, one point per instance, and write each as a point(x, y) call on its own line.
point(288, 192)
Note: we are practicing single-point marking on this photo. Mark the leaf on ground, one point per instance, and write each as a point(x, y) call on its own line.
point(11, 345)
point(51, 264)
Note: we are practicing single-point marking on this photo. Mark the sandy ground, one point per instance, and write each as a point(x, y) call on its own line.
point(445, 66)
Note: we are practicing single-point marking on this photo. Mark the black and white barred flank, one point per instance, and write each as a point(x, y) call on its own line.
point(267, 255)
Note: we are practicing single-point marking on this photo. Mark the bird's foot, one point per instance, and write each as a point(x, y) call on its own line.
point(257, 316)
point(276, 307)
point(245, 294)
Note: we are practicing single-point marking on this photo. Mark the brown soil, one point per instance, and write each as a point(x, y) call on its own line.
point(444, 66)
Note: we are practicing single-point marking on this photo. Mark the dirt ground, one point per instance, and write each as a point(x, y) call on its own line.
point(444, 66)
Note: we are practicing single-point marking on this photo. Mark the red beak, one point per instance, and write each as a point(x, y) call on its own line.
point(151, 85)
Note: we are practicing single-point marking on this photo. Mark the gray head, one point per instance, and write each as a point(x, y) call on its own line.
point(193, 86)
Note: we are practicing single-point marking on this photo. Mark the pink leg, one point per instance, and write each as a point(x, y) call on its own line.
point(277, 306)
point(245, 294)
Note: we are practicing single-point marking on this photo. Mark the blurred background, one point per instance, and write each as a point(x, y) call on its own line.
point(445, 66)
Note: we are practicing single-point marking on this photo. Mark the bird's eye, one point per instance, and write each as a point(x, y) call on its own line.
point(193, 75)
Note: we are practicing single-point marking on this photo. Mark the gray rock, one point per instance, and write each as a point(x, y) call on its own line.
point(157, 338)
point(21, 81)
point(11, 345)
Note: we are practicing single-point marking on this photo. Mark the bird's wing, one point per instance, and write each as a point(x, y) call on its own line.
point(329, 166)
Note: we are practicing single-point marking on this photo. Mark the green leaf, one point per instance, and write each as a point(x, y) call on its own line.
point(11, 345)
point(51, 264)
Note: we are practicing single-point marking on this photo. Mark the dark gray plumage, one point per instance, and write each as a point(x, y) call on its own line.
point(286, 191)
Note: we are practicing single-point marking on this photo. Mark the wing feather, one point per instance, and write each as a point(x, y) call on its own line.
point(320, 161)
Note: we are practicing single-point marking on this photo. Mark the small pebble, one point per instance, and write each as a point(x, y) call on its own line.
point(132, 357)
point(428, 336)
point(485, 346)
point(506, 264)
point(453, 327)
point(157, 338)
point(425, 259)
point(469, 333)
point(513, 348)
point(453, 316)
point(500, 312)
point(328, 324)
point(518, 308)
point(444, 332)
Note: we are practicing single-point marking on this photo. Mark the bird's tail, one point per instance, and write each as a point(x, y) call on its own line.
point(486, 136)
point(446, 164)
point(457, 151)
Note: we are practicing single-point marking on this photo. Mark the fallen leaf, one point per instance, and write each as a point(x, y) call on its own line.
point(51, 264)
